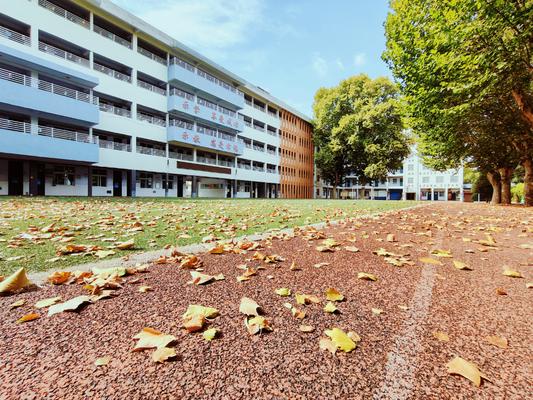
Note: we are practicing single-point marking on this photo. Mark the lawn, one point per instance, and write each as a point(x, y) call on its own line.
point(33, 230)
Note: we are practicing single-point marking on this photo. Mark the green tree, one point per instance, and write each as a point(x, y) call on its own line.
point(452, 57)
point(358, 129)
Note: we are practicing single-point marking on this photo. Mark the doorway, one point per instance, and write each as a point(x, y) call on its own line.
point(180, 186)
point(15, 178)
point(117, 183)
point(37, 183)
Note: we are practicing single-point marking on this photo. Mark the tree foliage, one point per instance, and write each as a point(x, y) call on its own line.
point(358, 129)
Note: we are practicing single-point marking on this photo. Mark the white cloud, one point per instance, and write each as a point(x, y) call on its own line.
point(359, 59)
point(319, 65)
point(339, 64)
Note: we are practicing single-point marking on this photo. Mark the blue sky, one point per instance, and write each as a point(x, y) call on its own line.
point(288, 47)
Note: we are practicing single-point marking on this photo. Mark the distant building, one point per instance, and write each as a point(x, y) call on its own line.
point(412, 182)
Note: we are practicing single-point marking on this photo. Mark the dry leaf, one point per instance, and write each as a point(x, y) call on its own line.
point(145, 289)
point(99, 362)
point(366, 276)
point(340, 339)
point(47, 302)
point(443, 337)
point(59, 277)
point(18, 303)
point(210, 334)
point(501, 292)
point(194, 323)
point(150, 338)
point(257, 324)
point(461, 265)
point(16, 281)
point(306, 299)
point(351, 249)
point(283, 292)
point(194, 309)
point(249, 307)
point(497, 341)
point(129, 244)
point(377, 311)
point(200, 279)
point(104, 253)
point(306, 328)
point(330, 308)
point(162, 354)
point(327, 344)
point(429, 260)
point(465, 368)
point(391, 237)
point(293, 267)
point(512, 274)
point(442, 253)
point(28, 317)
point(333, 294)
point(70, 305)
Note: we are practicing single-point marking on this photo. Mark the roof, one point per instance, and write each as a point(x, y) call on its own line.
point(139, 25)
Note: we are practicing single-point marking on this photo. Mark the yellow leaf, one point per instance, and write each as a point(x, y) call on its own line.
point(248, 306)
point(391, 237)
point(306, 299)
point(442, 253)
point(333, 294)
point(529, 285)
point(465, 368)
point(293, 267)
point(59, 277)
point(354, 336)
point(210, 334)
point(429, 260)
point(443, 337)
point(200, 279)
point(283, 292)
point(99, 362)
point(162, 354)
point(28, 317)
point(461, 265)
point(297, 313)
point(47, 302)
point(70, 305)
point(377, 311)
point(340, 339)
point(327, 344)
point(330, 307)
point(217, 250)
point(194, 309)
point(18, 303)
point(306, 328)
point(130, 244)
point(145, 289)
point(16, 281)
point(512, 274)
point(497, 341)
point(104, 253)
point(150, 338)
point(257, 324)
point(366, 276)
point(194, 323)
point(351, 249)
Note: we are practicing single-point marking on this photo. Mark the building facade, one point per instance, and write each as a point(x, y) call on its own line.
point(413, 181)
point(96, 102)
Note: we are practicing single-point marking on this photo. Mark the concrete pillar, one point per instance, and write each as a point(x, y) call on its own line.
point(265, 191)
point(34, 126)
point(446, 194)
point(134, 42)
point(194, 187)
point(431, 194)
point(133, 180)
point(90, 180)
point(234, 188)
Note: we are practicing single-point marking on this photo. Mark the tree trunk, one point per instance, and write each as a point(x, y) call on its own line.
point(526, 110)
point(494, 179)
point(505, 179)
point(335, 184)
point(528, 181)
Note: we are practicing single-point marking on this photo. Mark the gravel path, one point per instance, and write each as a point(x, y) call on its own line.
point(398, 356)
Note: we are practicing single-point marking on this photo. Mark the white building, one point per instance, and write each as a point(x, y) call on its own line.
point(96, 102)
point(413, 182)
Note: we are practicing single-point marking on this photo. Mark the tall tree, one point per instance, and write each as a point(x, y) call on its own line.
point(358, 129)
point(452, 56)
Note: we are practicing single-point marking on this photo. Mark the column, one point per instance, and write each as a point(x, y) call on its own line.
point(431, 194)
point(194, 187)
point(34, 126)
point(265, 190)
point(234, 188)
point(134, 42)
point(133, 182)
point(90, 181)
point(446, 194)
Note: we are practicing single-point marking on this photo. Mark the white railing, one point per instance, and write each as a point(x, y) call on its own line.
point(151, 151)
point(152, 56)
point(227, 137)
point(49, 49)
point(258, 107)
point(181, 93)
point(15, 36)
point(46, 86)
point(206, 131)
point(227, 111)
point(64, 13)
point(249, 102)
point(206, 103)
point(206, 75)
point(259, 148)
point(272, 133)
point(16, 126)
point(180, 156)
point(271, 171)
point(181, 124)
point(273, 152)
point(59, 133)
point(257, 127)
point(150, 87)
point(109, 144)
point(111, 72)
point(256, 168)
point(272, 114)
point(244, 166)
point(109, 108)
point(151, 119)
point(206, 160)
point(226, 163)
point(118, 39)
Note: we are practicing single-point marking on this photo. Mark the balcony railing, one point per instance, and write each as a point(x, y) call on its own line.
point(181, 124)
point(151, 119)
point(105, 33)
point(205, 75)
point(256, 168)
point(248, 123)
point(64, 13)
point(257, 127)
point(207, 103)
point(111, 72)
point(49, 49)
point(226, 163)
point(272, 114)
point(271, 171)
point(151, 88)
point(249, 102)
point(109, 108)
point(180, 156)
point(181, 93)
point(109, 144)
point(15, 36)
point(152, 56)
point(227, 111)
point(65, 134)
point(151, 151)
point(225, 136)
point(273, 152)
point(244, 166)
point(206, 131)
point(206, 160)
point(16, 126)
point(258, 107)
point(272, 133)
point(46, 86)
point(259, 148)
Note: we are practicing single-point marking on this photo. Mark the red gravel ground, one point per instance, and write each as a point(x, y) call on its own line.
point(398, 356)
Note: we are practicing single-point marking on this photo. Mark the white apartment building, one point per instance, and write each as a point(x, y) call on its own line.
point(96, 102)
point(413, 181)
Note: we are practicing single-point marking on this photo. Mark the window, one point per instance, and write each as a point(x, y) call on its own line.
point(168, 184)
point(99, 177)
point(454, 179)
point(395, 180)
point(440, 179)
point(410, 167)
point(425, 179)
point(146, 180)
point(64, 176)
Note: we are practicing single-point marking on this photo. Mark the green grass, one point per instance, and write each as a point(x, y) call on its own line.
point(174, 222)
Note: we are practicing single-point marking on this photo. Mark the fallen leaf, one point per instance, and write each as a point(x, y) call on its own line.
point(28, 317)
point(293, 267)
point(194, 309)
point(99, 362)
point(283, 292)
point(512, 273)
point(340, 339)
point(470, 371)
point(330, 308)
point(351, 249)
point(501, 292)
point(200, 279)
point(210, 334)
point(497, 341)
point(377, 311)
point(441, 336)
point(391, 237)
point(145, 289)
point(59, 277)
point(297, 313)
point(306, 299)
point(18, 303)
point(461, 265)
point(194, 323)
point(16, 281)
point(249, 307)
point(333, 294)
point(104, 253)
point(127, 245)
point(219, 249)
point(162, 354)
point(320, 265)
point(150, 338)
point(442, 253)
point(366, 276)
point(327, 344)
point(257, 324)
point(529, 285)
point(70, 305)
point(47, 302)
point(306, 328)
point(429, 260)
point(402, 307)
